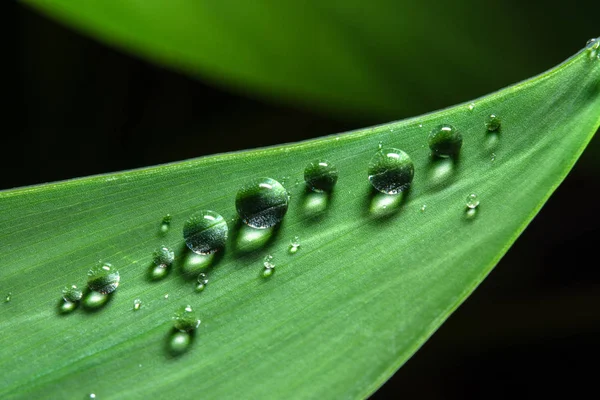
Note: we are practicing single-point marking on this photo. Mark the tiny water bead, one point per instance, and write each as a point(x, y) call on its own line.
point(103, 278)
point(492, 122)
point(66, 307)
point(166, 223)
point(262, 203)
point(321, 175)
point(8, 297)
point(163, 257)
point(423, 207)
point(269, 266)
point(202, 282)
point(493, 157)
point(185, 319)
point(590, 41)
point(445, 141)
point(137, 304)
point(471, 106)
point(391, 171)
point(205, 232)
point(472, 201)
point(72, 293)
point(294, 244)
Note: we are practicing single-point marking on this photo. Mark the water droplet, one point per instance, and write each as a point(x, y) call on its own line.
point(294, 244)
point(445, 141)
point(202, 282)
point(492, 122)
point(95, 300)
point(321, 175)
point(166, 296)
point(590, 41)
point(103, 278)
point(66, 307)
point(166, 223)
point(592, 46)
point(472, 201)
point(420, 125)
point(262, 203)
point(92, 395)
point(185, 319)
point(391, 171)
point(8, 297)
point(179, 343)
point(137, 304)
point(471, 106)
point(423, 207)
point(493, 157)
point(205, 232)
point(380, 145)
point(157, 272)
point(268, 261)
point(72, 293)
point(163, 257)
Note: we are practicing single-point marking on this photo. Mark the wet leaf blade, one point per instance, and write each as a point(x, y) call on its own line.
point(368, 286)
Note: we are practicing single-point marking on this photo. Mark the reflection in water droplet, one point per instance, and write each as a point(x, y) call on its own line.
point(590, 41)
point(163, 257)
point(166, 223)
point(262, 203)
point(321, 176)
point(391, 171)
point(205, 232)
point(137, 304)
point(250, 239)
point(380, 145)
point(72, 293)
point(445, 141)
point(185, 319)
point(103, 278)
point(472, 201)
point(294, 245)
point(315, 204)
point(158, 272)
point(492, 122)
point(179, 342)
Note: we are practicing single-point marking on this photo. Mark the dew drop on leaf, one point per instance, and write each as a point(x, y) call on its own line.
point(445, 141)
point(269, 266)
point(262, 203)
point(472, 201)
point(321, 176)
point(137, 304)
point(103, 278)
point(185, 319)
point(202, 282)
point(423, 207)
point(294, 245)
point(471, 106)
point(163, 257)
point(8, 297)
point(72, 293)
point(391, 171)
point(66, 307)
point(166, 223)
point(205, 232)
point(492, 122)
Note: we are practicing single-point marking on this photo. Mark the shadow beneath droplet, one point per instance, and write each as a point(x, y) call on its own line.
point(95, 301)
point(64, 307)
point(248, 240)
point(178, 343)
point(441, 171)
point(315, 204)
point(471, 213)
point(190, 264)
point(156, 273)
point(384, 206)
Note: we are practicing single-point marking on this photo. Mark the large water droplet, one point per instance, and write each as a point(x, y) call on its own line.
point(262, 203)
point(103, 278)
point(472, 201)
point(445, 141)
point(205, 232)
point(391, 171)
point(321, 176)
point(72, 293)
point(492, 122)
point(294, 245)
point(163, 257)
point(185, 319)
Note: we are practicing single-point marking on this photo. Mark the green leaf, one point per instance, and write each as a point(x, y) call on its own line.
point(387, 59)
point(368, 285)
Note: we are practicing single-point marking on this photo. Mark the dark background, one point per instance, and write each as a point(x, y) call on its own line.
point(76, 108)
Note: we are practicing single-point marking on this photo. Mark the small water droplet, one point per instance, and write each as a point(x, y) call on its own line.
point(205, 232)
point(179, 343)
point(72, 293)
point(471, 106)
point(492, 122)
point(92, 395)
point(137, 304)
point(163, 257)
point(590, 41)
point(262, 203)
point(391, 171)
point(380, 145)
point(185, 319)
point(420, 125)
point(166, 223)
point(493, 157)
point(445, 141)
point(321, 175)
point(269, 266)
point(472, 201)
point(423, 207)
point(166, 296)
point(267, 272)
point(8, 297)
point(202, 281)
point(103, 278)
point(294, 244)
point(66, 307)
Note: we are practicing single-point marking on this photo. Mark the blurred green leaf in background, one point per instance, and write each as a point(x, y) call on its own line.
point(283, 71)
